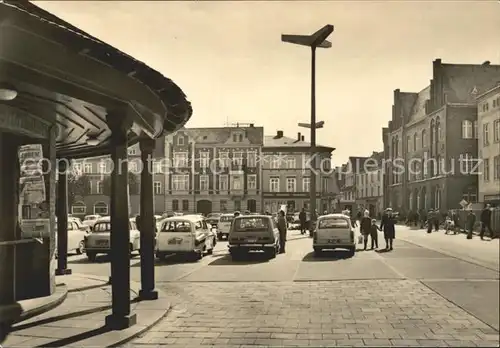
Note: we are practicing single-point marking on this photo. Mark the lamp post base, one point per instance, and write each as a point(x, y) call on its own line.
point(148, 295)
point(120, 322)
point(65, 271)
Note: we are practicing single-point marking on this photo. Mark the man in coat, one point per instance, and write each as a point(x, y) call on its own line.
point(282, 230)
point(303, 221)
point(486, 222)
point(388, 226)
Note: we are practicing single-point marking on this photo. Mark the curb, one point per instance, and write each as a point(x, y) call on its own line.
point(155, 312)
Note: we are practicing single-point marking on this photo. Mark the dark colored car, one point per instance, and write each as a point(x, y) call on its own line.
point(253, 232)
point(213, 219)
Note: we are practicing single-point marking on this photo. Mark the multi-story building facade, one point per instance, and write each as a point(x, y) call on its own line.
point(349, 190)
point(430, 143)
point(214, 169)
point(98, 170)
point(286, 176)
point(370, 184)
point(488, 110)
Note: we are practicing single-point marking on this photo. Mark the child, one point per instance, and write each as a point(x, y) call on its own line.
point(374, 233)
point(449, 225)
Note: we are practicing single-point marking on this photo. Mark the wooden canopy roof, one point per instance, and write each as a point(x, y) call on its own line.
point(65, 75)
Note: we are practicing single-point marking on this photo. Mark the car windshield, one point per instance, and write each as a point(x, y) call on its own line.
point(333, 222)
point(102, 227)
point(226, 218)
point(251, 224)
point(213, 215)
point(176, 226)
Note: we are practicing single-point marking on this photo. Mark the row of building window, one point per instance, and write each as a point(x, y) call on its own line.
point(99, 208)
point(368, 177)
point(291, 185)
point(486, 132)
point(369, 192)
point(485, 107)
point(181, 182)
point(487, 169)
point(469, 129)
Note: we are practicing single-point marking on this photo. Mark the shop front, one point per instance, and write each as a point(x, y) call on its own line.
point(66, 95)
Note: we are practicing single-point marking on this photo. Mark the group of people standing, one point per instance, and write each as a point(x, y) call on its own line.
point(369, 229)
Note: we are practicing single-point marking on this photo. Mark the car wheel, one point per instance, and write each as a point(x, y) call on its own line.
point(271, 253)
point(161, 256)
point(317, 251)
point(91, 257)
point(81, 248)
point(352, 251)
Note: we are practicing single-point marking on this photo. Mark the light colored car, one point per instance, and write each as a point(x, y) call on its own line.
point(253, 232)
point(334, 231)
point(224, 226)
point(99, 241)
point(76, 238)
point(187, 235)
point(79, 223)
point(90, 220)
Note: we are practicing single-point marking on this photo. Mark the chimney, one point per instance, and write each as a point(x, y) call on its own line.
point(298, 136)
point(251, 125)
point(302, 138)
point(279, 134)
point(486, 63)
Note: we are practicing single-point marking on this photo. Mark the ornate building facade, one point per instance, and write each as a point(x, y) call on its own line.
point(214, 169)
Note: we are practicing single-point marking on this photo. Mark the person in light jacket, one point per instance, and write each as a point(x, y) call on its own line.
point(364, 227)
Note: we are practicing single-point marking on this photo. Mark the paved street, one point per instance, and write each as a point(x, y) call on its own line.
point(412, 296)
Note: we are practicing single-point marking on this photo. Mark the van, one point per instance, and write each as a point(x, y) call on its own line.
point(186, 235)
point(224, 225)
point(333, 231)
point(253, 232)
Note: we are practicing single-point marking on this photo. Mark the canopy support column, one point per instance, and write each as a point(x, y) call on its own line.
point(147, 224)
point(121, 317)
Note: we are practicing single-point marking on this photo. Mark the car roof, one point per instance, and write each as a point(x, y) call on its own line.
point(253, 216)
point(108, 219)
point(227, 214)
point(335, 215)
point(189, 218)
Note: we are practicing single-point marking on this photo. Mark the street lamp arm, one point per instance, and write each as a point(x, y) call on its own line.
point(320, 36)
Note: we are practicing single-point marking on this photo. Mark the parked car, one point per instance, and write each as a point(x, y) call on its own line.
point(224, 226)
point(213, 219)
point(187, 235)
point(76, 238)
point(79, 223)
point(253, 232)
point(99, 241)
point(334, 231)
point(90, 220)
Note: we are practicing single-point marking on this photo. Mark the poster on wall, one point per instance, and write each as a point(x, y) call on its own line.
point(34, 217)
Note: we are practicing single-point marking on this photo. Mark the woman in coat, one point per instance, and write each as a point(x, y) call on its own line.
point(388, 226)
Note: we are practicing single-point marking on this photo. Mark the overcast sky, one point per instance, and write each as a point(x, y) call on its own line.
point(228, 58)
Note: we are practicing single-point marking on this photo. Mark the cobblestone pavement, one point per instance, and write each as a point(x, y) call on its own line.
point(349, 313)
point(415, 295)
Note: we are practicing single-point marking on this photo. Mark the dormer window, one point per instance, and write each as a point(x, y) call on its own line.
point(180, 140)
point(237, 137)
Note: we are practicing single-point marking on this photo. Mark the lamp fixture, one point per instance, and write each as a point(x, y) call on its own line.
point(7, 91)
point(92, 140)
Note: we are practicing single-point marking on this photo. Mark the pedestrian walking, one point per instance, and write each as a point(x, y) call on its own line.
point(282, 230)
point(430, 220)
point(374, 234)
point(486, 222)
point(436, 220)
point(388, 226)
point(303, 220)
point(469, 225)
point(365, 227)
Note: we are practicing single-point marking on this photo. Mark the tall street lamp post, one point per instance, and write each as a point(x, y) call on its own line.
point(318, 39)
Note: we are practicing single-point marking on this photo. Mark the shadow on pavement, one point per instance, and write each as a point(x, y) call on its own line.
point(85, 260)
point(249, 259)
point(76, 338)
point(169, 260)
point(328, 255)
